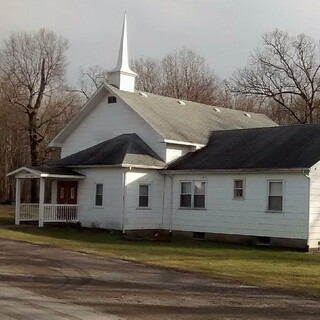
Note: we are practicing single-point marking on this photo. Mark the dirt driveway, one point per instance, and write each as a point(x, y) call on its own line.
point(133, 291)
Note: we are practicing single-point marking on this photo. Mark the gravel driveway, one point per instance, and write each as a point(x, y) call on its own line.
point(70, 285)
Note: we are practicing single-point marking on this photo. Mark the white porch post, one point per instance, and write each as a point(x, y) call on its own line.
point(18, 193)
point(41, 201)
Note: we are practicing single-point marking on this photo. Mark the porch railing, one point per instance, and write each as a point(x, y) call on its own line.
point(52, 212)
point(60, 212)
point(29, 211)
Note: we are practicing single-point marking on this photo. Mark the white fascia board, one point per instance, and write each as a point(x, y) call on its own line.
point(197, 145)
point(61, 176)
point(32, 171)
point(257, 171)
point(87, 107)
point(116, 166)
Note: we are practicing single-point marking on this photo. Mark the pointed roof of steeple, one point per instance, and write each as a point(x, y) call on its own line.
point(123, 57)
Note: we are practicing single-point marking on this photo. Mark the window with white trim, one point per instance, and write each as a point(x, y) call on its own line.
point(238, 189)
point(98, 201)
point(192, 194)
point(144, 195)
point(275, 195)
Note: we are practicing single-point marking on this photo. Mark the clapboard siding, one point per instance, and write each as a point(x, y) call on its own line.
point(314, 217)
point(135, 217)
point(174, 151)
point(223, 214)
point(107, 121)
point(109, 216)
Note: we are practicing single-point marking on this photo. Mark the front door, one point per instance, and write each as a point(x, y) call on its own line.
point(67, 192)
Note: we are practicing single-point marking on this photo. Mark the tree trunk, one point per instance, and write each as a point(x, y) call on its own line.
point(34, 154)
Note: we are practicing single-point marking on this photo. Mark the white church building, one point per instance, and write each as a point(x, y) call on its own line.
point(134, 161)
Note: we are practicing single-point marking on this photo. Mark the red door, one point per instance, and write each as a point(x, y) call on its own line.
point(67, 192)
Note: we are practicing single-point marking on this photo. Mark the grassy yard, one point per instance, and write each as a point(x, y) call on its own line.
point(293, 271)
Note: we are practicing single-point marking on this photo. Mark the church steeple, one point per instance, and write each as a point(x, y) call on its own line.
point(122, 76)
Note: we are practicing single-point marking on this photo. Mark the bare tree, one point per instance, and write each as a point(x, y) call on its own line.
point(90, 79)
point(32, 69)
point(284, 70)
point(181, 75)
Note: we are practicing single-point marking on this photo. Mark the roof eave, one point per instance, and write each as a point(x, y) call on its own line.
point(221, 171)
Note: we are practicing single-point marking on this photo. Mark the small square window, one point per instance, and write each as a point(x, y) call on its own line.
point(112, 99)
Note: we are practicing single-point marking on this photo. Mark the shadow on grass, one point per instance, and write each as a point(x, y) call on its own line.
point(73, 233)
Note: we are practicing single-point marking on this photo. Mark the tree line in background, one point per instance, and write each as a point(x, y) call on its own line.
point(281, 80)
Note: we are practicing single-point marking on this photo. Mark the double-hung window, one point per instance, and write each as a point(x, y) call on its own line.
point(275, 195)
point(238, 189)
point(144, 195)
point(98, 201)
point(192, 194)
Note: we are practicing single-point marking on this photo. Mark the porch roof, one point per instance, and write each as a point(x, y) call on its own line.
point(46, 172)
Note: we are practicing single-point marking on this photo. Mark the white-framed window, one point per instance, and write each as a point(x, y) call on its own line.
point(275, 195)
point(238, 188)
point(98, 200)
point(193, 194)
point(144, 195)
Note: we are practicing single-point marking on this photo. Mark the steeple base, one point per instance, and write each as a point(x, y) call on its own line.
point(122, 80)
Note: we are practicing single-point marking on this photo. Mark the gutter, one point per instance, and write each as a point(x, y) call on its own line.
point(223, 171)
point(306, 174)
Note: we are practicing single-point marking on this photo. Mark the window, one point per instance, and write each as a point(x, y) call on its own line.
point(144, 190)
point(192, 194)
point(238, 189)
point(61, 193)
point(275, 195)
point(72, 193)
point(99, 195)
point(112, 99)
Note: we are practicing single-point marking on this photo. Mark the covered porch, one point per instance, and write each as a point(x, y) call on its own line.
point(63, 204)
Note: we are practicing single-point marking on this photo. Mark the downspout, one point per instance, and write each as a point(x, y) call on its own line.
point(163, 200)
point(306, 174)
point(171, 203)
point(124, 198)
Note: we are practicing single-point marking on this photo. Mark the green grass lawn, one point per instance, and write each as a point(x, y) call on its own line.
point(294, 271)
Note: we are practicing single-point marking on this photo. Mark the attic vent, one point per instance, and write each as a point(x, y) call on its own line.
point(247, 115)
point(217, 109)
point(143, 94)
point(112, 99)
point(181, 102)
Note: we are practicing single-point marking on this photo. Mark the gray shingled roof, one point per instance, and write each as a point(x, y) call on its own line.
point(189, 122)
point(262, 148)
point(126, 149)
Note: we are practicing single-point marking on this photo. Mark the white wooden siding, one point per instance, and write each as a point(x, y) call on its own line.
point(225, 215)
point(143, 218)
point(107, 121)
point(109, 216)
point(175, 151)
point(314, 217)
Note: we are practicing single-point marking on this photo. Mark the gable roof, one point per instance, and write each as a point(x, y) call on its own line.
point(287, 147)
point(123, 150)
point(189, 122)
point(47, 171)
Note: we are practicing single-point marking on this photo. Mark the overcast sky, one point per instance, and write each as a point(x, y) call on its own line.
point(224, 32)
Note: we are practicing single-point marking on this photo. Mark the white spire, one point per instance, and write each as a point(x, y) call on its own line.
point(122, 76)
